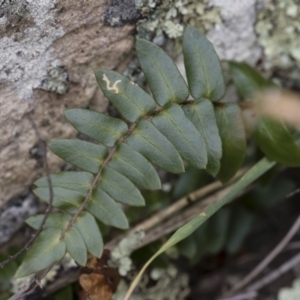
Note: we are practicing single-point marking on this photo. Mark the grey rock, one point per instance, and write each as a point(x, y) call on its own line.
point(121, 12)
point(14, 213)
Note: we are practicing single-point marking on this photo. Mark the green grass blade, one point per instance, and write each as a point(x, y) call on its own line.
point(255, 172)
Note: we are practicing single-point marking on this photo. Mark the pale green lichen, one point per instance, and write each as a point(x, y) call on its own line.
point(12, 8)
point(278, 29)
point(19, 284)
point(56, 80)
point(170, 284)
point(120, 256)
point(171, 16)
point(292, 293)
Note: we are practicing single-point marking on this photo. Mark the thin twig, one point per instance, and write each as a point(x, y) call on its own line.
point(262, 265)
point(33, 282)
point(292, 246)
point(89, 194)
point(287, 266)
point(169, 226)
point(96, 180)
point(180, 204)
point(243, 296)
point(42, 146)
point(185, 216)
point(297, 191)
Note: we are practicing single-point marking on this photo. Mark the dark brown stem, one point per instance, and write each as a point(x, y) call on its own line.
point(96, 180)
point(49, 208)
point(89, 195)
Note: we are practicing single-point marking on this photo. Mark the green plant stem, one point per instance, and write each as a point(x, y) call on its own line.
point(255, 172)
point(187, 215)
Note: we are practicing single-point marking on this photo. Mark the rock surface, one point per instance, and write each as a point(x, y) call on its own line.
point(234, 38)
point(48, 51)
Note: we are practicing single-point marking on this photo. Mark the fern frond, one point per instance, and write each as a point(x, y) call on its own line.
point(164, 131)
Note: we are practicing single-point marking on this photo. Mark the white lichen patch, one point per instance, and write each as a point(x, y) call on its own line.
point(290, 293)
point(56, 80)
point(120, 256)
point(12, 8)
point(25, 56)
point(113, 87)
point(278, 29)
point(234, 38)
point(169, 284)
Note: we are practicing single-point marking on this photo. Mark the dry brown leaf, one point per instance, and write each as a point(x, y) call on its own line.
point(97, 279)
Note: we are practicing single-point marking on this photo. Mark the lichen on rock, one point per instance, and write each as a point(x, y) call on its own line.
point(25, 56)
point(171, 16)
point(56, 79)
point(278, 29)
point(55, 40)
point(121, 12)
point(234, 38)
point(12, 8)
point(13, 214)
point(166, 283)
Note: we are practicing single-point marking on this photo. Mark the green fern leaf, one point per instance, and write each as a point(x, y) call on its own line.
point(91, 235)
point(84, 155)
point(100, 127)
point(233, 138)
point(73, 239)
point(70, 188)
point(129, 99)
point(106, 210)
point(247, 80)
point(203, 68)
point(76, 246)
point(120, 188)
point(136, 167)
point(47, 250)
point(152, 144)
point(85, 224)
point(173, 137)
point(182, 133)
point(163, 77)
point(276, 142)
point(202, 115)
point(62, 198)
point(272, 136)
point(54, 220)
point(77, 181)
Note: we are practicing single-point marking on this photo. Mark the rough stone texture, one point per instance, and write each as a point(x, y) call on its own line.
point(13, 214)
point(121, 12)
point(277, 28)
point(234, 38)
point(66, 39)
point(49, 49)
